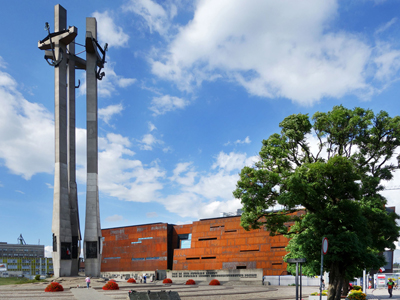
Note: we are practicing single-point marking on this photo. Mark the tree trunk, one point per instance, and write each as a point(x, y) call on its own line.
point(335, 283)
point(345, 288)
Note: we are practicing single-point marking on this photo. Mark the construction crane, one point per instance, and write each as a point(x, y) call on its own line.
point(21, 240)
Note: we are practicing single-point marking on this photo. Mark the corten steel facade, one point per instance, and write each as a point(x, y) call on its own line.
point(207, 244)
point(136, 248)
point(221, 243)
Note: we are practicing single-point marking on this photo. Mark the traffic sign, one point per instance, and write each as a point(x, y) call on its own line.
point(325, 245)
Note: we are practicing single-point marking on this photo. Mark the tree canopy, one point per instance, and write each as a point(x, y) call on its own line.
point(332, 168)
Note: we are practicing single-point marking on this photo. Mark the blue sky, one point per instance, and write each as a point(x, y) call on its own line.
point(191, 89)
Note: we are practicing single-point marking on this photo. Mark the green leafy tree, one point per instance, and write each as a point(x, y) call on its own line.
point(328, 189)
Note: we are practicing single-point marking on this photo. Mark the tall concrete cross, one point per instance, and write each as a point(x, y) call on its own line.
point(65, 224)
point(60, 53)
point(93, 242)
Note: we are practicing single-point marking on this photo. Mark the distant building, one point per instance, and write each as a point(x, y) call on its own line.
point(21, 259)
point(207, 244)
point(21, 250)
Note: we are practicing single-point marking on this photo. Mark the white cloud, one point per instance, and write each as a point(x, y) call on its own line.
point(209, 193)
point(189, 177)
point(151, 127)
point(114, 218)
point(166, 103)
point(107, 112)
point(270, 50)
point(233, 161)
point(149, 141)
point(107, 87)
point(108, 32)
point(156, 17)
point(386, 26)
point(245, 141)
point(24, 125)
point(387, 61)
point(48, 251)
point(121, 176)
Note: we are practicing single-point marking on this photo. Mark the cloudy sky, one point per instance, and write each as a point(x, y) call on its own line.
point(191, 89)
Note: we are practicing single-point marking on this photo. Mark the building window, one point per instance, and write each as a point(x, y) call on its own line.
point(184, 241)
point(207, 239)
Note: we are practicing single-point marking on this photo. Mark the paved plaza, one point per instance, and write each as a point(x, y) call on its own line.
point(75, 288)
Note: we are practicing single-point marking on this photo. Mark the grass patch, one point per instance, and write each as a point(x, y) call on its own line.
point(17, 280)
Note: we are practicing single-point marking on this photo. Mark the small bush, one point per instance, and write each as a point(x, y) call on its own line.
point(167, 280)
point(356, 287)
point(357, 295)
point(131, 280)
point(214, 282)
point(190, 282)
point(324, 293)
point(111, 285)
point(54, 287)
point(37, 277)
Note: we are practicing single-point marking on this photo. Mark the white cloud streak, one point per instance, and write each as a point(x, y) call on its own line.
point(109, 32)
point(155, 16)
point(273, 51)
point(26, 132)
point(166, 103)
point(108, 112)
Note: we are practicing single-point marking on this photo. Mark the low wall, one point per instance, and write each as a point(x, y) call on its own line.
point(124, 275)
point(222, 275)
point(289, 279)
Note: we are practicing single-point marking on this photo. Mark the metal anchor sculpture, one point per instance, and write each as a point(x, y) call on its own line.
point(92, 46)
point(65, 36)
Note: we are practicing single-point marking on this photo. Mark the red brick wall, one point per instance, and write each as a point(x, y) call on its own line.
point(146, 244)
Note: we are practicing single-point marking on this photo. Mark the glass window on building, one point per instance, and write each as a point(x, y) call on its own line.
point(185, 241)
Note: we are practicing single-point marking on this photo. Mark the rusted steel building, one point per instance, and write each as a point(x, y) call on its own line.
point(207, 244)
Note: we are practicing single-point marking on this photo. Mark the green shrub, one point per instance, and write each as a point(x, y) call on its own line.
point(37, 277)
point(357, 295)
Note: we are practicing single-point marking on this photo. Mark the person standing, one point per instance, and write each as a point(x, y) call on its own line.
point(390, 286)
point(87, 279)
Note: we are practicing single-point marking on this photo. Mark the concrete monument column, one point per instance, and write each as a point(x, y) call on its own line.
point(73, 192)
point(65, 224)
point(92, 240)
point(61, 225)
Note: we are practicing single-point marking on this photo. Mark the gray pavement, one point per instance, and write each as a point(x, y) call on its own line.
point(88, 294)
point(75, 289)
point(377, 294)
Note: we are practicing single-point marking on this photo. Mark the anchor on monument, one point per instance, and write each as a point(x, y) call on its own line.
point(65, 36)
point(92, 46)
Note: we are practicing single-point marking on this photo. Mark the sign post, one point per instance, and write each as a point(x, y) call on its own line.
point(297, 261)
point(324, 250)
